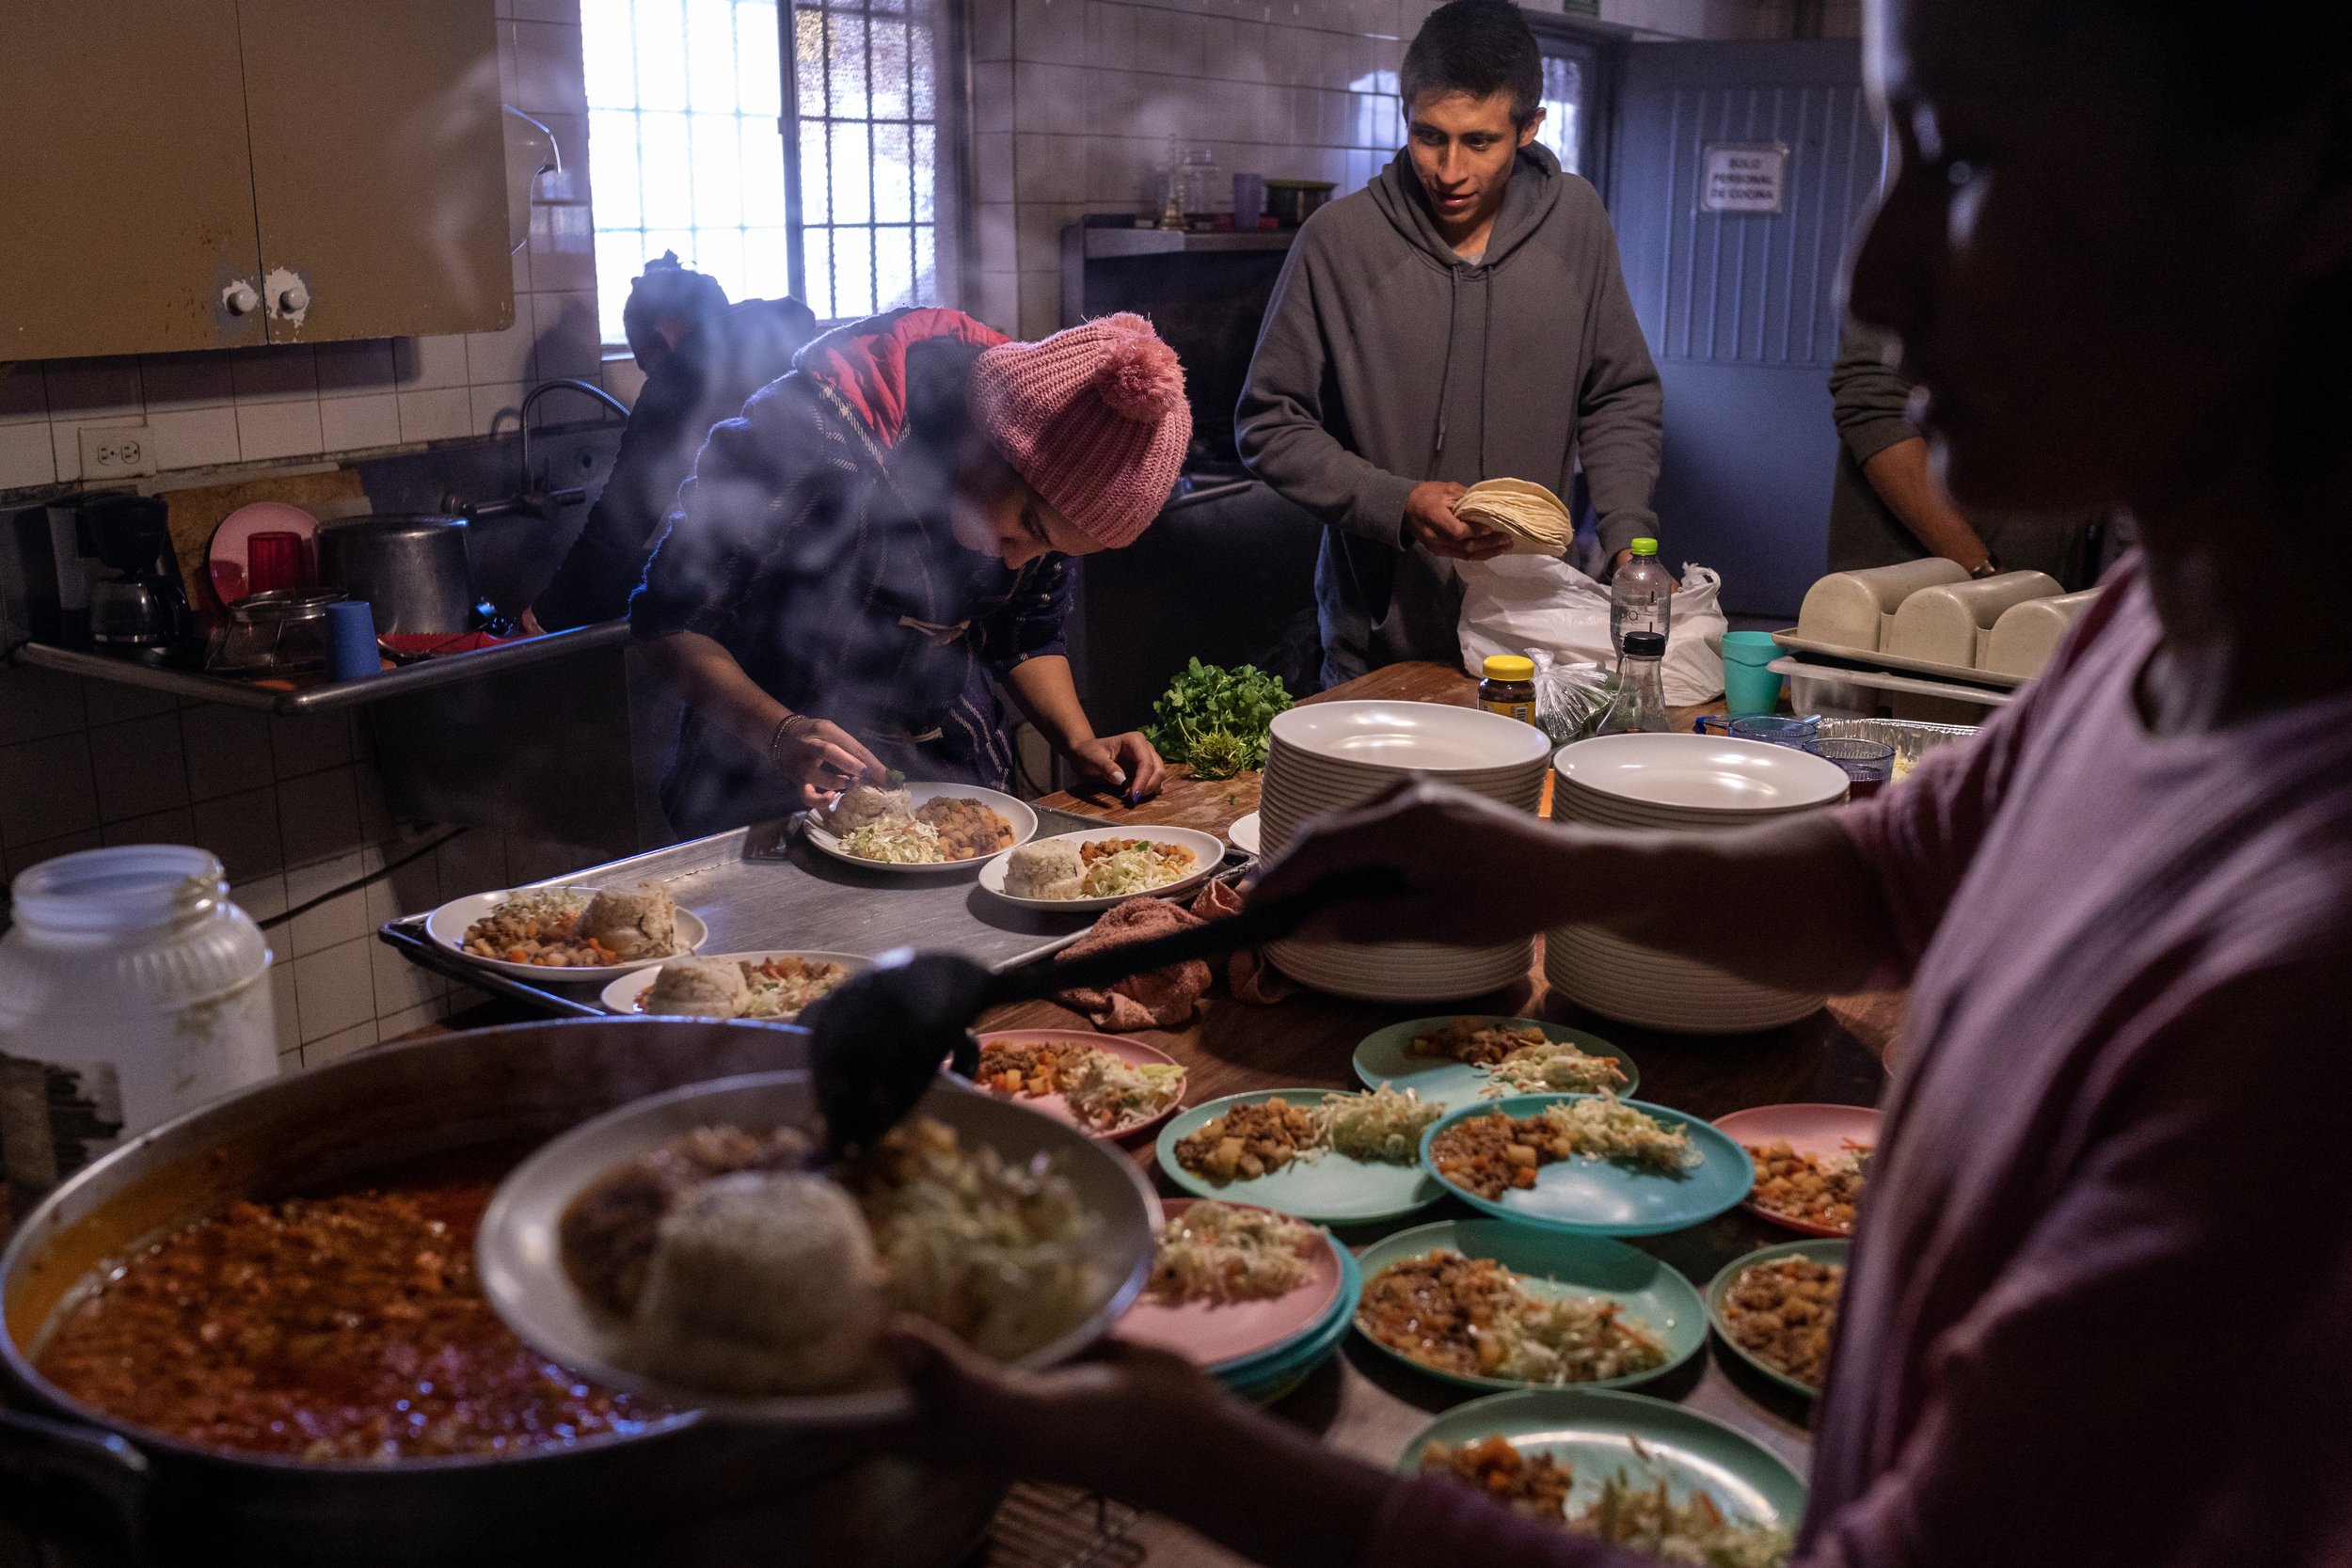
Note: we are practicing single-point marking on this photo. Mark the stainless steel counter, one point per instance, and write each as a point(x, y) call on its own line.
point(764, 888)
point(332, 696)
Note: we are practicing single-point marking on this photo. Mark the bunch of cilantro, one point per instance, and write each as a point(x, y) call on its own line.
point(1215, 721)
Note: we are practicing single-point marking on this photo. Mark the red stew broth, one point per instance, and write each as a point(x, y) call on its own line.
point(343, 1323)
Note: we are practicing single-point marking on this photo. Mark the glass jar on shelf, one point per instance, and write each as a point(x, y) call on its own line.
point(1202, 189)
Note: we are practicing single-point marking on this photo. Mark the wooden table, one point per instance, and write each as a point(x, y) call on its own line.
point(1361, 1403)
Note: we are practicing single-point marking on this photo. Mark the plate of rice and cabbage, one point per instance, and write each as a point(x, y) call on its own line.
point(918, 828)
point(772, 985)
point(1092, 870)
point(691, 1248)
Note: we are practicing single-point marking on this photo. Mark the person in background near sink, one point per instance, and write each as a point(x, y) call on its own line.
point(882, 537)
point(702, 358)
point(1888, 506)
point(2099, 1312)
point(1461, 318)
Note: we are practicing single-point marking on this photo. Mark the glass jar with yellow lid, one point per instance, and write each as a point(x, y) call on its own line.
point(1509, 687)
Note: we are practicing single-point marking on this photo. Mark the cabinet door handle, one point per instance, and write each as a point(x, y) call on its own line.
point(293, 299)
point(241, 298)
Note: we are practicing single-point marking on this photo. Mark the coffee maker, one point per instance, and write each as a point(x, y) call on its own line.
point(136, 601)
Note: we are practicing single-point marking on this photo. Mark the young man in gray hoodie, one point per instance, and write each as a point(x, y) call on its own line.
point(1461, 318)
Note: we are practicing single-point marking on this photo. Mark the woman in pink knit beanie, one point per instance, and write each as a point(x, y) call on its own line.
point(880, 544)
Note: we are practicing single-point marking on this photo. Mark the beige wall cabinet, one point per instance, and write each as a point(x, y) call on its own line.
point(186, 174)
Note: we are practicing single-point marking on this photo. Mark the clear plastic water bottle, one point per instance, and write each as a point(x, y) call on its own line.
point(1641, 703)
point(1640, 596)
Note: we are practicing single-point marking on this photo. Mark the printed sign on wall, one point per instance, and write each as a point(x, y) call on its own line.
point(1743, 177)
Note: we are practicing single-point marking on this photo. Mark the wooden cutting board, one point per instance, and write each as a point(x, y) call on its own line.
point(197, 512)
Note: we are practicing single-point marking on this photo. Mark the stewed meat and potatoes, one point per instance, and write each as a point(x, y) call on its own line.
point(576, 928)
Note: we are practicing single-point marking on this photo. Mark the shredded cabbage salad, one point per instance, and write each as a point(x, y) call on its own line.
point(1555, 1066)
point(895, 844)
point(995, 1253)
point(1605, 1128)
point(1384, 1125)
point(1106, 1092)
point(1215, 1252)
point(1693, 1531)
point(1134, 870)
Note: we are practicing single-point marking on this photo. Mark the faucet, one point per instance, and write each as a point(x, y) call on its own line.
point(544, 505)
point(585, 387)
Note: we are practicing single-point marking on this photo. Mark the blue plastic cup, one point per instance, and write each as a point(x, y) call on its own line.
point(1748, 686)
point(351, 652)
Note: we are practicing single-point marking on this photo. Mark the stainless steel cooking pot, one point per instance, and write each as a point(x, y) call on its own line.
point(684, 1492)
point(413, 571)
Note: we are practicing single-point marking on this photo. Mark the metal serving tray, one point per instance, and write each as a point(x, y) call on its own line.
point(763, 887)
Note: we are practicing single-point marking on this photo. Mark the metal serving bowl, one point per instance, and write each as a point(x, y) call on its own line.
point(688, 1490)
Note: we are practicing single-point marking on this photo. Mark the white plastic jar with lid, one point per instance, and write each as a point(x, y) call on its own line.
point(139, 990)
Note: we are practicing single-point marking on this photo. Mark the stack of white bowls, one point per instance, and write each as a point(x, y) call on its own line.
point(1328, 755)
point(1685, 783)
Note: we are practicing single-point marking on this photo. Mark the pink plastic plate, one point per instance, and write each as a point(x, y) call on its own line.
point(1126, 1051)
point(1209, 1334)
point(225, 556)
point(1808, 1130)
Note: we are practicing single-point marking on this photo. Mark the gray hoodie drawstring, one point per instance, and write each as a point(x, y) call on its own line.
point(1485, 360)
point(1445, 382)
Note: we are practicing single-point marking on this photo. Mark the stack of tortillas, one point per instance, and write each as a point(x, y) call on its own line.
point(1531, 515)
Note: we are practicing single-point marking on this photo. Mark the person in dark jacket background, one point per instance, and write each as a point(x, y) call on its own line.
point(1888, 506)
point(1461, 318)
point(703, 359)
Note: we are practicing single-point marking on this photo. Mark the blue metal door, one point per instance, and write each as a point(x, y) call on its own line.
point(1742, 307)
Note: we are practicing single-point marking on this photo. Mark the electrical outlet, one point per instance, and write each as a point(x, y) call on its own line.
point(117, 451)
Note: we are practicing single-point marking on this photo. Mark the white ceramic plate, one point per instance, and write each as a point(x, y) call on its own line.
point(627, 993)
point(447, 926)
point(1243, 832)
point(519, 1251)
point(1024, 822)
point(1208, 852)
point(1700, 773)
point(1425, 738)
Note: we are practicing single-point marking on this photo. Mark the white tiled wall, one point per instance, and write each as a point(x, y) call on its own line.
point(293, 808)
point(247, 405)
point(1075, 101)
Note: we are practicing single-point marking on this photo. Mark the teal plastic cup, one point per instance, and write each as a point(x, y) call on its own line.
point(1748, 686)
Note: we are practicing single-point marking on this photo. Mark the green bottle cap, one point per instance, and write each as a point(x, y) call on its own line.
point(1644, 547)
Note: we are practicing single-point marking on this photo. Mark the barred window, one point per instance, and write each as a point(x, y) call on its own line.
point(687, 105)
point(863, 71)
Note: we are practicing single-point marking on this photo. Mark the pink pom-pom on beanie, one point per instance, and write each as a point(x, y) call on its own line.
point(1093, 417)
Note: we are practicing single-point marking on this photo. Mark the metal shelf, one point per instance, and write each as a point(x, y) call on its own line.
point(331, 696)
point(1105, 244)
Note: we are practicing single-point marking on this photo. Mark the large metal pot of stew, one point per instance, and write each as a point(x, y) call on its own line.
point(254, 1335)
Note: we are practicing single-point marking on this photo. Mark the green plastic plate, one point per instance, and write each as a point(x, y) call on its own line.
point(1334, 1190)
point(1600, 1199)
point(1596, 1432)
point(1718, 1287)
point(1386, 1058)
point(1557, 1264)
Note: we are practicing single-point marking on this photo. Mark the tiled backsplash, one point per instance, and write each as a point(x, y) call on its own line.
point(1076, 102)
point(293, 808)
point(248, 405)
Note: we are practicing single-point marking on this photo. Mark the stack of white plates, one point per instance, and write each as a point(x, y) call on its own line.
point(1329, 755)
point(1686, 782)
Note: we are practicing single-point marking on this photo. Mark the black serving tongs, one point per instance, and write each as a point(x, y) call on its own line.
point(877, 1042)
